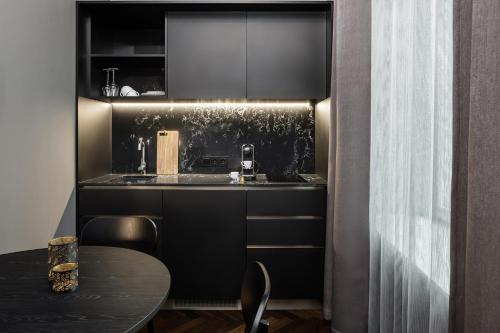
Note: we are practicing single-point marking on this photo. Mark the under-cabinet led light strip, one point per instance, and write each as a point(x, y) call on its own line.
point(215, 104)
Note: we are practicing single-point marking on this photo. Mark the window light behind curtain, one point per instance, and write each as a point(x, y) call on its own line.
point(410, 167)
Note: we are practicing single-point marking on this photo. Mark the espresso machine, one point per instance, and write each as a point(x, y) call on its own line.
point(248, 162)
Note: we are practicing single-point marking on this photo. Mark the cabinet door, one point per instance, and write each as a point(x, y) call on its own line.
point(286, 55)
point(204, 242)
point(295, 273)
point(206, 54)
point(285, 230)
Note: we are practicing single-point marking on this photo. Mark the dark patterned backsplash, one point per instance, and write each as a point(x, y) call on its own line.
point(283, 135)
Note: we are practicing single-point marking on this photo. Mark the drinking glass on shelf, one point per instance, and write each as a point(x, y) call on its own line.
point(106, 90)
point(114, 88)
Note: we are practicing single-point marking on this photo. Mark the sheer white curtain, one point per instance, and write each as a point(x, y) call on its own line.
point(410, 165)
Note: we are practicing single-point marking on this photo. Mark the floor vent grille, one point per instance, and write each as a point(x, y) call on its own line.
point(204, 304)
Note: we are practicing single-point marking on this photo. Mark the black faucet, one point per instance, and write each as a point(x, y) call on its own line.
point(142, 147)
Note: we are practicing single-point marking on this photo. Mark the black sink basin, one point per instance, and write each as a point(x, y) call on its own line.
point(137, 178)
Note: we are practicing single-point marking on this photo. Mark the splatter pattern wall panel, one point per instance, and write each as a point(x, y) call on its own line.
point(283, 135)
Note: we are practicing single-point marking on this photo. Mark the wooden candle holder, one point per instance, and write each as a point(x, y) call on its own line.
point(65, 278)
point(62, 250)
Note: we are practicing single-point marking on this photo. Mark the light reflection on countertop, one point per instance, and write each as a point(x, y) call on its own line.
point(202, 179)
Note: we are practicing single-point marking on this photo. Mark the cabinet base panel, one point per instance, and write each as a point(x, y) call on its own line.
point(214, 305)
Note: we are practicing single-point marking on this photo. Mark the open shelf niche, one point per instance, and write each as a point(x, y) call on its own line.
point(131, 40)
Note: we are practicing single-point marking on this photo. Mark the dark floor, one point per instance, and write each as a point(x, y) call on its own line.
point(231, 322)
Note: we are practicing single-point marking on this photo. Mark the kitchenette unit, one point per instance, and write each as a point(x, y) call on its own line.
point(210, 119)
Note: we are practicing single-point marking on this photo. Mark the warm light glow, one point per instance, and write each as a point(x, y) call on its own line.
point(324, 106)
point(216, 104)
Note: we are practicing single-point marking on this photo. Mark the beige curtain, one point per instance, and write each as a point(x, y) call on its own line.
point(475, 283)
point(475, 202)
point(347, 247)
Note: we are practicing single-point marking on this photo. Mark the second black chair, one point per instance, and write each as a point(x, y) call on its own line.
point(254, 296)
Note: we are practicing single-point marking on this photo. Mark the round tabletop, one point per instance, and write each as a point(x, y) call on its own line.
point(120, 290)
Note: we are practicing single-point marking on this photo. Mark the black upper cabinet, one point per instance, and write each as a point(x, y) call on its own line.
point(206, 54)
point(128, 33)
point(207, 51)
point(286, 55)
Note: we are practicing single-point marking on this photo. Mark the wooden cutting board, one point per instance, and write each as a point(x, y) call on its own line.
point(167, 152)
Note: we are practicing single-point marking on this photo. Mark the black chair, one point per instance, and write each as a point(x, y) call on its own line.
point(130, 232)
point(254, 296)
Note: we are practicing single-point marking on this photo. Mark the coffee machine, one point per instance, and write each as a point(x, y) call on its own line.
point(248, 162)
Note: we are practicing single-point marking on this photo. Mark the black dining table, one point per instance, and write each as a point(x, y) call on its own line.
point(120, 290)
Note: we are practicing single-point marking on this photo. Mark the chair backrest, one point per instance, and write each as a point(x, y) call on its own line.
point(131, 232)
point(254, 296)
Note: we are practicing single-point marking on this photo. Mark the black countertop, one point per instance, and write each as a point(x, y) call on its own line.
point(203, 179)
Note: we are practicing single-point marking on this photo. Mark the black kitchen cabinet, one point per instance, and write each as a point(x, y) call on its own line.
point(207, 51)
point(295, 273)
point(208, 234)
point(286, 232)
point(287, 55)
point(204, 242)
point(132, 31)
point(206, 54)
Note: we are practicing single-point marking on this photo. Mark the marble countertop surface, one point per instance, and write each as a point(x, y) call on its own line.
point(202, 180)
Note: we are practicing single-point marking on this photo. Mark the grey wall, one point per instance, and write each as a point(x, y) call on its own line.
point(37, 131)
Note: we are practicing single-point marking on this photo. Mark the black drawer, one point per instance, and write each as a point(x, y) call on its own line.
point(287, 202)
point(295, 273)
point(286, 231)
point(120, 202)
